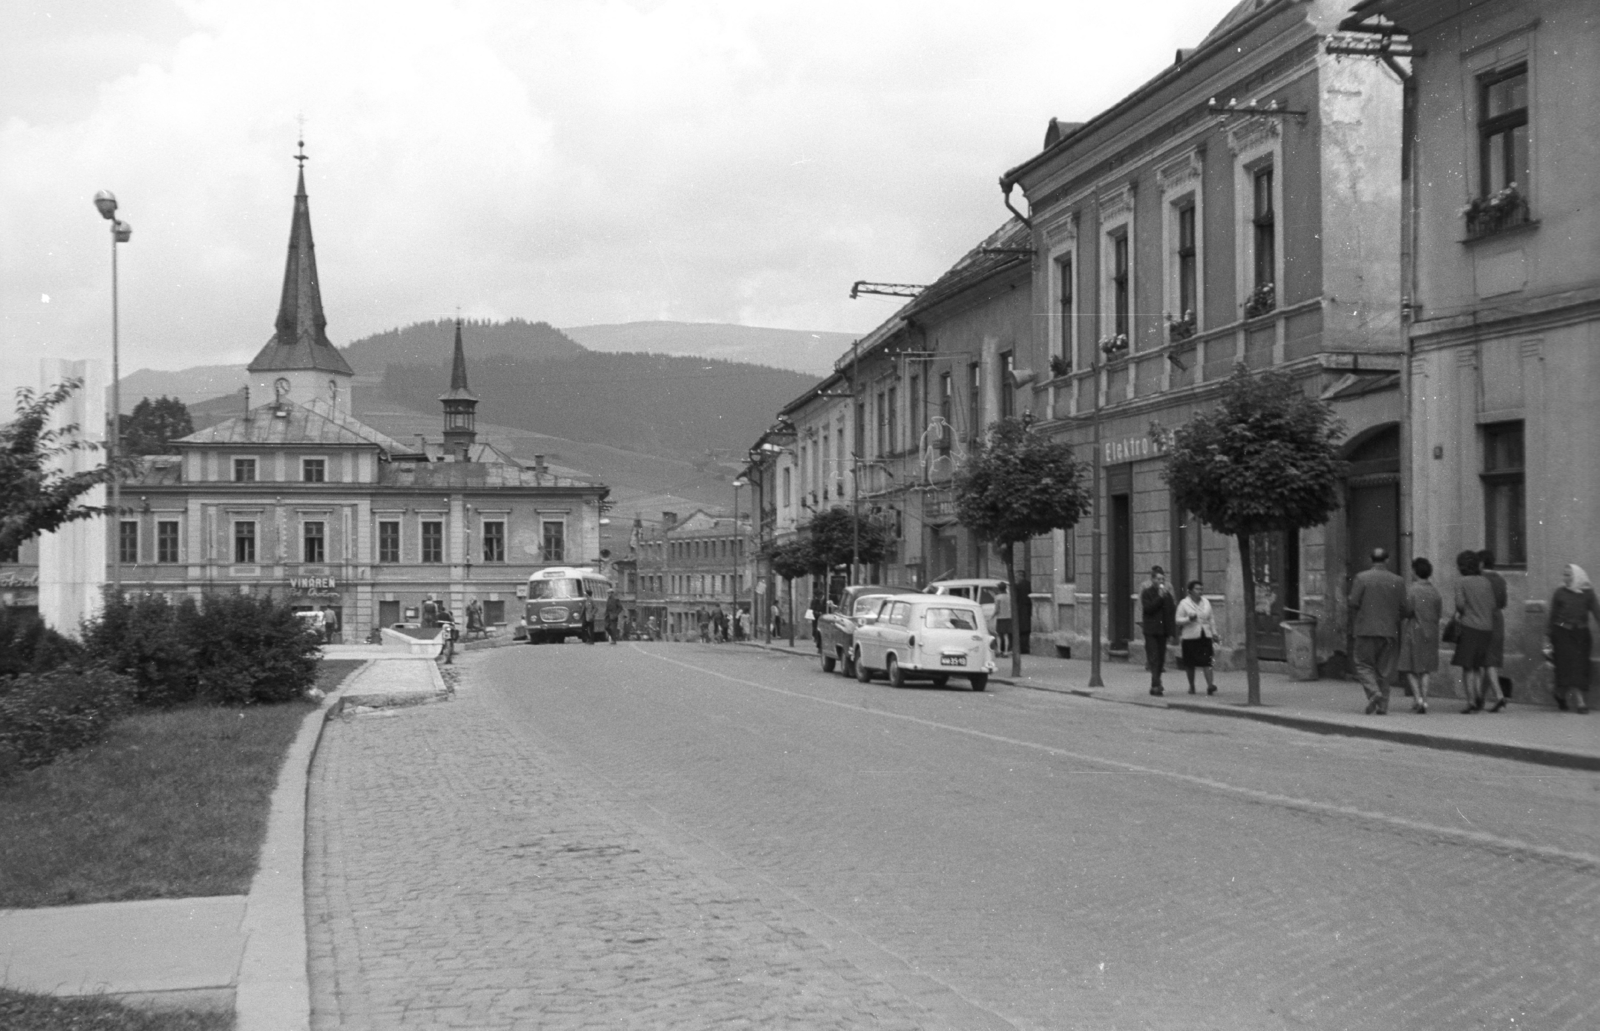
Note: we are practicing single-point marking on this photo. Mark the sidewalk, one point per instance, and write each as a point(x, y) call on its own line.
point(1525, 733)
point(245, 953)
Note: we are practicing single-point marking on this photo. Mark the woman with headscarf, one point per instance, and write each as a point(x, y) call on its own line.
point(1475, 608)
point(1570, 608)
point(1419, 634)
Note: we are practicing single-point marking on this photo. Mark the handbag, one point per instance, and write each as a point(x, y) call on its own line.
point(1452, 632)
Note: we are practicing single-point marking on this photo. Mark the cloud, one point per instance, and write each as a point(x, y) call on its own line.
point(706, 160)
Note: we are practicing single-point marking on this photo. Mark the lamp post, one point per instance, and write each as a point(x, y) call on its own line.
point(105, 202)
point(1109, 347)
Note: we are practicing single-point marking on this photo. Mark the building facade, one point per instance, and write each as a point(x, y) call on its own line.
point(1240, 208)
point(691, 568)
point(1503, 292)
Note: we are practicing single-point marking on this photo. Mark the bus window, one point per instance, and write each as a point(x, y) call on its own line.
point(552, 590)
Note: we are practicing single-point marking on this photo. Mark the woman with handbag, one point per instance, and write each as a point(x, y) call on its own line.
point(1419, 635)
point(1474, 618)
point(1197, 629)
point(1570, 608)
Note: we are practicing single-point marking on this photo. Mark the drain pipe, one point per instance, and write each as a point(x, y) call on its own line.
point(1005, 193)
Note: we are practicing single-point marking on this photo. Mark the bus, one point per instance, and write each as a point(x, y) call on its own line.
point(554, 606)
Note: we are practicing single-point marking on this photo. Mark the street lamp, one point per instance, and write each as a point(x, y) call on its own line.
point(1110, 347)
point(105, 202)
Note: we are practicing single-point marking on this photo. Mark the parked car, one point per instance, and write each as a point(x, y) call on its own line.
point(981, 590)
point(836, 628)
point(928, 637)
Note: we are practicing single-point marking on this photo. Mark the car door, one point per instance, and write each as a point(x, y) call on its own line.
point(869, 628)
point(891, 632)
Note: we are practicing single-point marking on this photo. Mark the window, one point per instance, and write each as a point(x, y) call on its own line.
point(494, 540)
point(1119, 282)
point(312, 533)
point(1503, 131)
point(389, 540)
point(244, 470)
point(244, 542)
point(805, 466)
point(313, 470)
point(861, 429)
point(1008, 393)
point(839, 465)
point(915, 426)
point(883, 424)
point(555, 541)
point(11, 554)
point(1069, 555)
point(1188, 284)
point(894, 404)
point(974, 399)
point(946, 412)
point(1503, 482)
point(494, 613)
point(167, 540)
point(788, 484)
point(1066, 303)
point(128, 542)
point(1264, 253)
point(432, 540)
point(827, 449)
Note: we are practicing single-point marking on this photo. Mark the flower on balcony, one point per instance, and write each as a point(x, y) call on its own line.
point(1112, 346)
point(1262, 299)
point(1499, 210)
point(1060, 366)
point(1182, 328)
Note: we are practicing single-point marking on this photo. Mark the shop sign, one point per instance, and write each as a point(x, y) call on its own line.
point(19, 580)
point(1131, 449)
point(312, 584)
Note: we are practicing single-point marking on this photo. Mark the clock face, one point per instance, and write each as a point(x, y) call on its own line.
point(282, 387)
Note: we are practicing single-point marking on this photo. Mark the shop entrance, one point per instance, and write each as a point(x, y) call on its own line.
point(1275, 566)
point(1119, 485)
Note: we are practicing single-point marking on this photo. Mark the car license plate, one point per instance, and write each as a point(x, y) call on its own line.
point(952, 660)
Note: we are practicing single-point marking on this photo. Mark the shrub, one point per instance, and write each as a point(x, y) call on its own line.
point(27, 645)
point(45, 714)
point(252, 649)
point(151, 641)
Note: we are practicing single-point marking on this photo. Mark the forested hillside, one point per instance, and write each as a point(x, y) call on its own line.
point(432, 342)
point(650, 403)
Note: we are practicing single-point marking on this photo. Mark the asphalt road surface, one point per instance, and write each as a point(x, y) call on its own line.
point(672, 835)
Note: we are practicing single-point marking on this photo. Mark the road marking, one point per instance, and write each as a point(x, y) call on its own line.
point(1566, 857)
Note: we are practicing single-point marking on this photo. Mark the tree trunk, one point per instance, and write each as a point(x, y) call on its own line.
point(1011, 588)
point(1252, 669)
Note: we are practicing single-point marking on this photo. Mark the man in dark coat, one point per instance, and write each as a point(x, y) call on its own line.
point(1159, 620)
point(613, 617)
point(1378, 604)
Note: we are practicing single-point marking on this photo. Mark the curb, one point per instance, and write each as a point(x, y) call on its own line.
point(273, 992)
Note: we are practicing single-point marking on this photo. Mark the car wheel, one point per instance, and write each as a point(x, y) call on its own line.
point(893, 674)
point(828, 662)
point(863, 674)
point(941, 679)
point(847, 664)
point(979, 681)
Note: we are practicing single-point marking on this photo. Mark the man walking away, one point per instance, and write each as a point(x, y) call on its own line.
point(1377, 606)
point(1159, 620)
point(613, 617)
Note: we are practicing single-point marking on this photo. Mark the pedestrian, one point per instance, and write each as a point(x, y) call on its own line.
point(1377, 607)
point(1002, 618)
point(1474, 614)
point(651, 628)
point(1419, 636)
point(447, 622)
point(1570, 608)
point(1159, 613)
point(613, 617)
point(777, 620)
point(586, 615)
point(1023, 617)
point(1496, 659)
point(704, 619)
point(1197, 631)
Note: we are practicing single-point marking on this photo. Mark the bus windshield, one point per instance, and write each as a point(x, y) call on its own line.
point(548, 590)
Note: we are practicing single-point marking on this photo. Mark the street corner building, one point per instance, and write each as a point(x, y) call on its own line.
point(297, 498)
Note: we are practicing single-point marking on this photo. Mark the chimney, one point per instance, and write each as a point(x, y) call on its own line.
point(538, 464)
point(669, 520)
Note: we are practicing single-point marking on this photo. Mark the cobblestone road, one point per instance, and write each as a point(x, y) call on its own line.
point(605, 837)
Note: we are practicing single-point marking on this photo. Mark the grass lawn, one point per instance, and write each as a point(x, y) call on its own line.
point(48, 1013)
point(171, 805)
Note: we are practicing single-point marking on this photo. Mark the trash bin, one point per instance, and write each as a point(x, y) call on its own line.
point(1300, 646)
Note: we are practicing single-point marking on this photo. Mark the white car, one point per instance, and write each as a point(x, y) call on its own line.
point(981, 591)
point(925, 637)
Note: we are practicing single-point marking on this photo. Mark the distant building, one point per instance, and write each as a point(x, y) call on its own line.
point(690, 568)
point(297, 498)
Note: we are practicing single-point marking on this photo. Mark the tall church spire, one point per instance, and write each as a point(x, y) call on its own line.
point(300, 337)
point(460, 405)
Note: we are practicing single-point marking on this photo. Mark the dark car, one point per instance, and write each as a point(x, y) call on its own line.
point(836, 629)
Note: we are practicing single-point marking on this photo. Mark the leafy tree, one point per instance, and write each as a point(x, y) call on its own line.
point(839, 537)
point(153, 426)
point(1018, 485)
point(36, 496)
point(1265, 459)
point(794, 558)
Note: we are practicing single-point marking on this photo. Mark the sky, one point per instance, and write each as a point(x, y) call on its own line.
point(571, 161)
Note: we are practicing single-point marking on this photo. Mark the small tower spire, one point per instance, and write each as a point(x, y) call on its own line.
point(460, 405)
